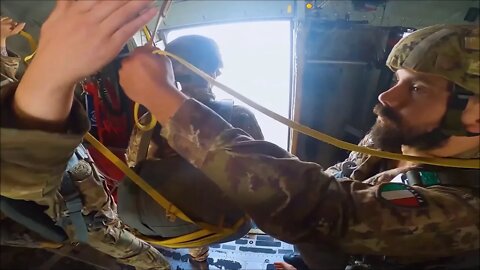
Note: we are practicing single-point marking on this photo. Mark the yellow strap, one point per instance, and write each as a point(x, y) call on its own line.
point(29, 57)
point(31, 41)
point(446, 162)
point(162, 201)
point(168, 206)
point(151, 125)
point(162, 13)
point(136, 106)
point(51, 245)
point(191, 243)
point(147, 33)
point(196, 239)
point(185, 238)
point(205, 236)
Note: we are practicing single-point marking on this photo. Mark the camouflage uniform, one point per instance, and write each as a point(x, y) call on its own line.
point(33, 163)
point(8, 68)
point(298, 202)
point(158, 148)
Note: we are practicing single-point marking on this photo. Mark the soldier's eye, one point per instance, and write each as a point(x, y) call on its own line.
point(416, 89)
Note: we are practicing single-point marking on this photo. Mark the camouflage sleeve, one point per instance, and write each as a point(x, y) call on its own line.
point(33, 161)
point(335, 170)
point(137, 138)
point(297, 202)
point(9, 66)
point(245, 120)
point(354, 158)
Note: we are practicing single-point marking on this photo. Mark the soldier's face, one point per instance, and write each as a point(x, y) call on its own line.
point(189, 81)
point(410, 112)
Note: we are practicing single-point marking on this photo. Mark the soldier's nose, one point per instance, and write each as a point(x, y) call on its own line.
point(393, 97)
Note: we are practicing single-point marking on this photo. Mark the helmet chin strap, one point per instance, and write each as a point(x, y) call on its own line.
point(452, 122)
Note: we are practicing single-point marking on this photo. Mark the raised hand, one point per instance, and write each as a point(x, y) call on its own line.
point(144, 74)
point(77, 39)
point(80, 37)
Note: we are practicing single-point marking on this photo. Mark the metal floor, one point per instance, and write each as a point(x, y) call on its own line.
point(251, 252)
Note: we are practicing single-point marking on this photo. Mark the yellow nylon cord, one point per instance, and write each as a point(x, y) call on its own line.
point(207, 235)
point(150, 125)
point(196, 239)
point(136, 106)
point(162, 201)
point(210, 234)
point(32, 43)
point(445, 162)
point(29, 58)
point(203, 237)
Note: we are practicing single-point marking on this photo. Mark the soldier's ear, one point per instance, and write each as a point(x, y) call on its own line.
point(471, 115)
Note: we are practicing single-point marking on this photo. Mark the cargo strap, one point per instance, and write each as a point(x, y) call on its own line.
point(426, 177)
point(72, 197)
point(32, 216)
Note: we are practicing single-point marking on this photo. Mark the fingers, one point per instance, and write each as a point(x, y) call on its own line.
point(145, 56)
point(13, 26)
point(127, 14)
point(138, 52)
point(62, 5)
point(18, 28)
point(84, 5)
point(128, 30)
point(146, 49)
point(8, 21)
point(105, 8)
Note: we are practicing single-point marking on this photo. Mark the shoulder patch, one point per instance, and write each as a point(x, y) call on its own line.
point(398, 194)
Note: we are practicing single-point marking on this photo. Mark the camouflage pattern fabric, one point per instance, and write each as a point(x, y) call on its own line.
point(199, 254)
point(449, 51)
point(33, 163)
point(9, 66)
point(114, 240)
point(452, 52)
point(158, 147)
point(298, 202)
point(365, 168)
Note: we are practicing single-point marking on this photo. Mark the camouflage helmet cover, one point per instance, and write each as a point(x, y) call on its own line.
point(450, 51)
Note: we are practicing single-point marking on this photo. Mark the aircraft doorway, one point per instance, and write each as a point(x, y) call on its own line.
point(256, 63)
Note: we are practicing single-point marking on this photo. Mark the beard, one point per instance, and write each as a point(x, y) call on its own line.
point(203, 95)
point(388, 133)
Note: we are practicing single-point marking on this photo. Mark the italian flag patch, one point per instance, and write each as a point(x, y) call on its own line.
point(400, 194)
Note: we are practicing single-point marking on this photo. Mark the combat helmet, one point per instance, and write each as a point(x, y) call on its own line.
point(449, 51)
